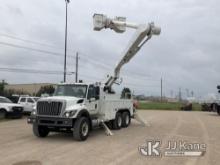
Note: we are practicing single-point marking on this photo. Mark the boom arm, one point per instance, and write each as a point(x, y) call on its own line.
point(143, 33)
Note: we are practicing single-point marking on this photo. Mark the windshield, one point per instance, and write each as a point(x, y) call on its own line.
point(5, 100)
point(71, 90)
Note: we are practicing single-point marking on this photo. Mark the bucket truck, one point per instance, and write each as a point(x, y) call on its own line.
point(79, 107)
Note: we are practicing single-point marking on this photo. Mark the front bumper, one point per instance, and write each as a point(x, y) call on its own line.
point(15, 113)
point(50, 121)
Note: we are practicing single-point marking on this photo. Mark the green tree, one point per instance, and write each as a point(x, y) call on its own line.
point(2, 87)
point(126, 93)
point(48, 89)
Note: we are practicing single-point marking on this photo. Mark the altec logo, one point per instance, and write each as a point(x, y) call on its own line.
point(151, 148)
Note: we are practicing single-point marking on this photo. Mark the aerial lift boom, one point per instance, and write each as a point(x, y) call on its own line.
point(143, 33)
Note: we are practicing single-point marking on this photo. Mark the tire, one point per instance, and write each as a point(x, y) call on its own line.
point(81, 129)
point(126, 119)
point(117, 123)
point(2, 114)
point(40, 131)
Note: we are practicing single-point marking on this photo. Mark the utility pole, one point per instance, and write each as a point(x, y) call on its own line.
point(161, 89)
point(64, 73)
point(77, 62)
point(180, 95)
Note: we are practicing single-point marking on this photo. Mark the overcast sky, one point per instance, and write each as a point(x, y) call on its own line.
point(186, 54)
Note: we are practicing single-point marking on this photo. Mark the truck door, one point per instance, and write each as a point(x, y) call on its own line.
point(30, 104)
point(22, 101)
point(92, 101)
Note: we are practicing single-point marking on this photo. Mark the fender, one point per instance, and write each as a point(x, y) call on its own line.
point(85, 113)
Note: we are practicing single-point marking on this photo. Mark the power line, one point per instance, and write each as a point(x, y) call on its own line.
point(95, 62)
point(29, 48)
point(34, 42)
point(28, 41)
point(19, 70)
point(34, 49)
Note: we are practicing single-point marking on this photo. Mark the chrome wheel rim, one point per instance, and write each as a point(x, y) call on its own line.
point(85, 129)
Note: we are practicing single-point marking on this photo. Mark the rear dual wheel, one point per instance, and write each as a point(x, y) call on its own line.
point(122, 119)
point(117, 122)
point(126, 119)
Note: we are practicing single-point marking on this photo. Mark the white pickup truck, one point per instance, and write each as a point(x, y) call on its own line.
point(9, 109)
point(28, 103)
point(79, 107)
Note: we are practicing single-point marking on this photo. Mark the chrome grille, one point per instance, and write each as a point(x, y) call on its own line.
point(52, 108)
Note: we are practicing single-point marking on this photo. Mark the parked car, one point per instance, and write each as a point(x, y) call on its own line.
point(9, 109)
point(28, 103)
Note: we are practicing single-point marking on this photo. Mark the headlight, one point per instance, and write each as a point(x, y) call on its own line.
point(33, 113)
point(67, 114)
point(34, 107)
point(10, 108)
point(70, 113)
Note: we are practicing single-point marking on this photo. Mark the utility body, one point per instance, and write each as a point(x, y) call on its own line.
point(80, 107)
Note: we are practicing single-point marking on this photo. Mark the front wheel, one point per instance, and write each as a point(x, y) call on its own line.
point(81, 129)
point(2, 114)
point(40, 131)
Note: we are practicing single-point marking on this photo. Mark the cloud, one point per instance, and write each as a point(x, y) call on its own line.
point(185, 55)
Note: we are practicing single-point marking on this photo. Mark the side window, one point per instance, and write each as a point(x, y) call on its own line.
point(97, 92)
point(23, 100)
point(30, 100)
point(91, 92)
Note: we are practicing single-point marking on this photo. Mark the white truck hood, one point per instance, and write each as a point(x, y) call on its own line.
point(10, 105)
point(61, 98)
point(71, 102)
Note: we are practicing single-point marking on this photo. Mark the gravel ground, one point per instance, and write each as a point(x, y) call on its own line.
point(20, 147)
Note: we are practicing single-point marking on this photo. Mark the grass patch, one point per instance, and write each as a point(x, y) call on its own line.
point(166, 106)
